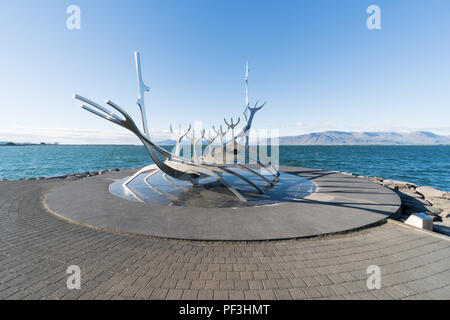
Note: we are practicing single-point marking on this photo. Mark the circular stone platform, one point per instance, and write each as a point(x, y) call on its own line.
point(339, 203)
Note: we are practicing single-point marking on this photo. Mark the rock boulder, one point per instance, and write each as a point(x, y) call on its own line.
point(399, 185)
point(430, 192)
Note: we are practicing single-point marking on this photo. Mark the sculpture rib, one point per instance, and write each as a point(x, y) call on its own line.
point(168, 195)
point(270, 183)
point(170, 181)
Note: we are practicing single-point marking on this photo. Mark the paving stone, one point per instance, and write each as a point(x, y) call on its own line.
point(220, 295)
point(174, 294)
point(143, 293)
point(284, 284)
point(198, 284)
point(241, 285)
point(184, 284)
point(267, 294)
point(212, 284)
point(226, 284)
point(247, 275)
point(312, 292)
point(252, 295)
point(259, 275)
point(297, 294)
point(283, 294)
point(158, 294)
point(236, 295)
point(205, 295)
point(189, 295)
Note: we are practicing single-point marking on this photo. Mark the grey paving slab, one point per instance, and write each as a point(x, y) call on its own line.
point(36, 248)
point(341, 203)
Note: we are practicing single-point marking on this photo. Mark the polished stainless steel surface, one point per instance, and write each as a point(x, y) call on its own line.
point(210, 194)
point(173, 165)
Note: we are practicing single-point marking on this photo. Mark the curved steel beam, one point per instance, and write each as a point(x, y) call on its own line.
point(171, 182)
point(166, 194)
point(270, 183)
point(243, 178)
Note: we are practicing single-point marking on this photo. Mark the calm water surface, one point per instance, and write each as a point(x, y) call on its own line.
point(423, 165)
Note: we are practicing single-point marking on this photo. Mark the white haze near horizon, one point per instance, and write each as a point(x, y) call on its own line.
point(122, 136)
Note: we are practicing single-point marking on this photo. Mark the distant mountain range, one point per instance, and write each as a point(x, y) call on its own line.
point(333, 138)
point(365, 138)
point(357, 138)
point(166, 142)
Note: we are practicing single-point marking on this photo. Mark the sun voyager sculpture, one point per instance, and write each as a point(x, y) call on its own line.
point(231, 156)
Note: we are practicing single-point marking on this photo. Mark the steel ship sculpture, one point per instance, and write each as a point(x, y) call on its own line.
point(213, 163)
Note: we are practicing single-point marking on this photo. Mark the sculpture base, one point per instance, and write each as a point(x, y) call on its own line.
point(340, 203)
point(157, 188)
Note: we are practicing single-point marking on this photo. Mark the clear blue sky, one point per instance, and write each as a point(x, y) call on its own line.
point(315, 62)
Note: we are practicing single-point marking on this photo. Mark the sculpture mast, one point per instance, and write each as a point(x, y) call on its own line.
point(247, 153)
point(142, 88)
point(246, 84)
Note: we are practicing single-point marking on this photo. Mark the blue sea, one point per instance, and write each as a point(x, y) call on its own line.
point(423, 165)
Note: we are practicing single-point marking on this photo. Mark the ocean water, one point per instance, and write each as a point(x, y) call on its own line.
point(423, 165)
